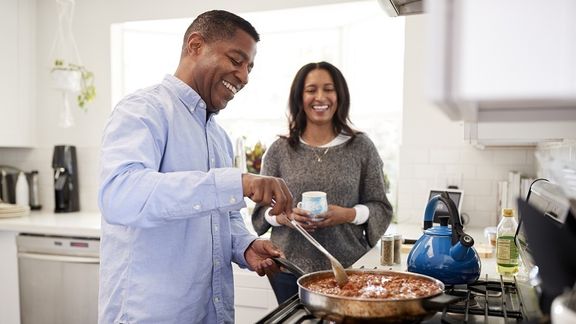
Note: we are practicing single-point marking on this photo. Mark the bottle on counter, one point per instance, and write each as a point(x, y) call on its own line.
point(506, 250)
point(22, 194)
point(398, 248)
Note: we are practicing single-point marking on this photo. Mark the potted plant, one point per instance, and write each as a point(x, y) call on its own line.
point(76, 79)
point(254, 157)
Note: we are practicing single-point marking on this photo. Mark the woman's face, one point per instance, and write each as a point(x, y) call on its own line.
point(319, 98)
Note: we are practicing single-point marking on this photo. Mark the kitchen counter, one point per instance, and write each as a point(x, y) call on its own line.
point(78, 224)
point(67, 224)
point(86, 224)
point(371, 259)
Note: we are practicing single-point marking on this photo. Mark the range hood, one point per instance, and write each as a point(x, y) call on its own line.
point(396, 8)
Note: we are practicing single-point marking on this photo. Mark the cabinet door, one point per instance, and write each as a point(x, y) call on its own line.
point(17, 89)
point(513, 55)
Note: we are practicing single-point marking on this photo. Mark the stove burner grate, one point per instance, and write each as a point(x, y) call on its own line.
point(484, 301)
point(488, 298)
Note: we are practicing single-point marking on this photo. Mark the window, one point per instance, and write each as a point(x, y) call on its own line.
point(357, 37)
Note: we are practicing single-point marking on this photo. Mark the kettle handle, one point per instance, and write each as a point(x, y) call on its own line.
point(457, 229)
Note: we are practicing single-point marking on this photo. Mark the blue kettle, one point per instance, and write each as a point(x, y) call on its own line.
point(445, 252)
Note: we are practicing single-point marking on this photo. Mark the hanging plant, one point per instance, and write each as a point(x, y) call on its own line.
point(74, 78)
point(69, 75)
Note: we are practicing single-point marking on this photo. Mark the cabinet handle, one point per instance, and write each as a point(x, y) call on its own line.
point(59, 258)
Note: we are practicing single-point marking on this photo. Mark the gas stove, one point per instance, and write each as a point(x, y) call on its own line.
point(501, 300)
point(525, 298)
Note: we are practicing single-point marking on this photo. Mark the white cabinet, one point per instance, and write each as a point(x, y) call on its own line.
point(509, 62)
point(9, 293)
point(17, 81)
point(253, 296)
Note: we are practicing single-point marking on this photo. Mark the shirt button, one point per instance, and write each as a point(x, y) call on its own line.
point(213, 160)
point(232, 199)
point(216, 228)
point(197, 207)
point(216, 299)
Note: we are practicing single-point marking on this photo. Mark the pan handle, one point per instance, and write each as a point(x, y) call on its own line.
point(439, 302)
point(290, 266)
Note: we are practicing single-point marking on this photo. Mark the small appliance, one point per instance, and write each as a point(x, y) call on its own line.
point(445, 252)
point(65, 179)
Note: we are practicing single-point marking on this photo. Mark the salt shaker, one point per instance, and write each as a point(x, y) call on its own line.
point(398, 248)
point(387, 250)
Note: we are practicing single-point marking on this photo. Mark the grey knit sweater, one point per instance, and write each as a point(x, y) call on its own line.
point(350, 173)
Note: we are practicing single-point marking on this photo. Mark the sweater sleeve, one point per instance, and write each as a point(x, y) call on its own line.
point(270, 167)
point(373, 195)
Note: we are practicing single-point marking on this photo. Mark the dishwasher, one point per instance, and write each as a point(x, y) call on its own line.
point(58, 279)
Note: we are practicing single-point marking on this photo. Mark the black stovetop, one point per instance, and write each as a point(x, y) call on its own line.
point(485, 301)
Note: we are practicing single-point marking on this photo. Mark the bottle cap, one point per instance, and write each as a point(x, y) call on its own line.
point(507, 212)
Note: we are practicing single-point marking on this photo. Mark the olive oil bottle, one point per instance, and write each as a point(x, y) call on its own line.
point(506, 250)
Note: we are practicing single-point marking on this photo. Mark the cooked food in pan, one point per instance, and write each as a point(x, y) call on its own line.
point(377, 286)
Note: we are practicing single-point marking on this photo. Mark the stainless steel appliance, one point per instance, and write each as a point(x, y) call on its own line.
point(58, 278)
point(34, 190)
point(489, 300)
point(8, 177)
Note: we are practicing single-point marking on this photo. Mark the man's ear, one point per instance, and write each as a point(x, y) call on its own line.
point(194, 43)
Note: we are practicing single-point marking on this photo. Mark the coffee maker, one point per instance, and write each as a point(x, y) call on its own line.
point(65, 179)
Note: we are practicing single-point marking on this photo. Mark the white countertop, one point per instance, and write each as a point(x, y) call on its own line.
point(88, 224)
point(41, 222)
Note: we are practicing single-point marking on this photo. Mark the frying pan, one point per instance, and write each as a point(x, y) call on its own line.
point(366, 310)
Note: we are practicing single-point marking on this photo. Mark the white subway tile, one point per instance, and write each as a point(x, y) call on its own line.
point(426, 171)
point(485, 203)
point(476, 156)
point(414, 155)
point(480, 219)
point(450, 156)
point(491, 172)
point(510, 156)
point(479, 187)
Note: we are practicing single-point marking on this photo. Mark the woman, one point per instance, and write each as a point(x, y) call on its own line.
point(323, 153)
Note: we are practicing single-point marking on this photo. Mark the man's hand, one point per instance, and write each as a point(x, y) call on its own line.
point(258, 256)
point(269, 191)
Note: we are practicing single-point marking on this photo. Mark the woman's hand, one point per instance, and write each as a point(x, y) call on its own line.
point(334, 216)
point(299, 215)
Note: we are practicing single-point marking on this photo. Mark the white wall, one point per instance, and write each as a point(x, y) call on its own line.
point(433, 151)
point(91, 28)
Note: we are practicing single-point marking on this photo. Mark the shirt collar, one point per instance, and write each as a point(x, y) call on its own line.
point(190, 98)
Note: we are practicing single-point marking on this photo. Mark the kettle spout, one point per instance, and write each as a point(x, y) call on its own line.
point(459, 250)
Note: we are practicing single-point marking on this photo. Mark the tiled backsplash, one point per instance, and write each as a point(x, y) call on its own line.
point(41, 159)
point(476, 172)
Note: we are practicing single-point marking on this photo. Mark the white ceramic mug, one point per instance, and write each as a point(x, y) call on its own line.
point(315, 202)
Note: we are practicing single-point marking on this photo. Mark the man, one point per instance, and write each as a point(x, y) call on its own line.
point(169, 195)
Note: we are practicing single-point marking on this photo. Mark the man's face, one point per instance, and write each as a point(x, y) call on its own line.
point(222, 69)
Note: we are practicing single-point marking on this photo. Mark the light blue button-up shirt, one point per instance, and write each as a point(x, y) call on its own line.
point(170, 198)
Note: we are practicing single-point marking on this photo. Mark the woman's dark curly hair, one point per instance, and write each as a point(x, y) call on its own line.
point(297, 116)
